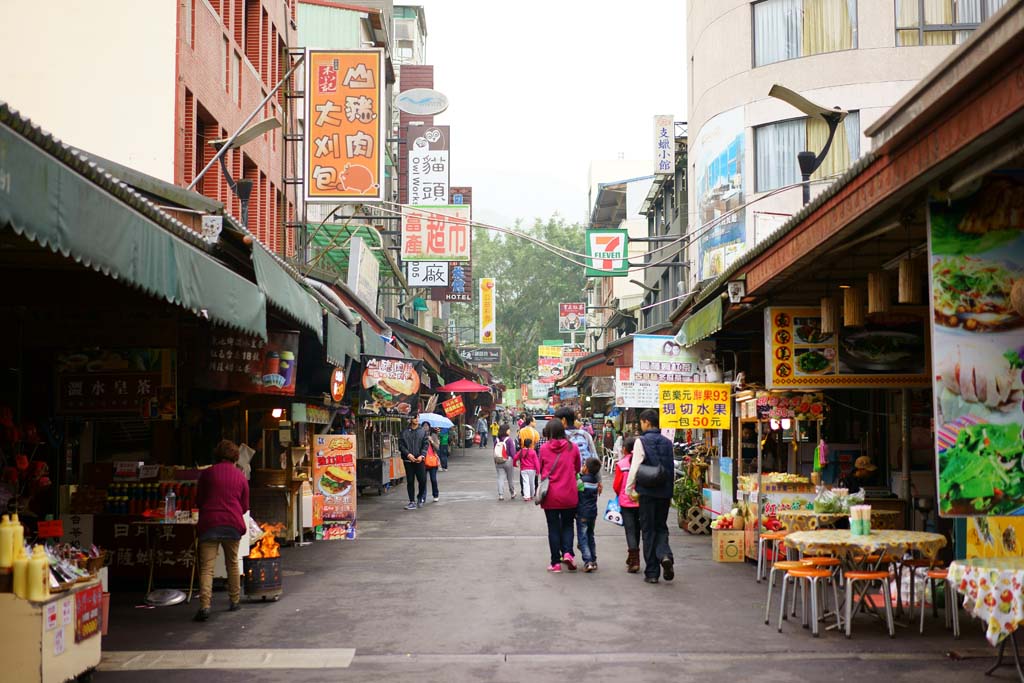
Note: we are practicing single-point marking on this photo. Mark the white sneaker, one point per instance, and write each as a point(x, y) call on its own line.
point(436, 499)
point(501, 497)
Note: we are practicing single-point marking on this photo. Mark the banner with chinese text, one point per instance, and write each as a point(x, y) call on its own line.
point(235, 362)
point(570, 354)
point(488, 326)
point(549, 364)
point(129, 382)
point(630, 393)
point(334, 475)
point(660, 358)
point(454, 407)
point(457, 287)
point(436, 233)
point(695, 406)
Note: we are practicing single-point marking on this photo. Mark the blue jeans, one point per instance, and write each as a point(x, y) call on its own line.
point(560, 523)
point(585, 537)
point(444, 456)
point(432, 473)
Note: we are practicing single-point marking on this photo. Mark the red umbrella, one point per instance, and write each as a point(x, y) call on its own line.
point(464, 386)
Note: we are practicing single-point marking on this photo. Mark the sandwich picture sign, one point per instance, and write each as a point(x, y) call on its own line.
point(334, 474)
point(389, 387)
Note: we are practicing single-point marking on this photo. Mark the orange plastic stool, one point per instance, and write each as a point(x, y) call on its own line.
point(813, 577)
point(774, 537)
point(852, 578)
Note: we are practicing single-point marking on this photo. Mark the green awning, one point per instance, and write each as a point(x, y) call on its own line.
point(49, 203)
point(373, 345)
point(341, 342)
point(285, 292)
point(335, 238)
point(419, 304)
point(701, 324)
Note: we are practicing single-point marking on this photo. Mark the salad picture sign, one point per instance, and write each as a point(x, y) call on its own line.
point(976, 254)
point(889, 350)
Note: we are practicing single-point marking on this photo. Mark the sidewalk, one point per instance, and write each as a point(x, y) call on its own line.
point(458, 591)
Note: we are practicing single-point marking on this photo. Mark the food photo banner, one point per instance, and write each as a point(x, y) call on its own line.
point(334, 471)
point(344, 126)
point(389, 387)
point(695, 405)
point(976, 254)
point(549, 364)
point(660, 358)
point(889, 350)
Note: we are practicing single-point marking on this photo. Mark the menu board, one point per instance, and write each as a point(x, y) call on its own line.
point(232, 361)
point(389, 387)
point(890, 350)
point(334, 476)
point(976, 254)
point(630, 393)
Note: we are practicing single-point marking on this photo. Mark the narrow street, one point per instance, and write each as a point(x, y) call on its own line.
point(458, 591)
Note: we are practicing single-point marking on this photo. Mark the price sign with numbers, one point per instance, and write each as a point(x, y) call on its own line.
point(695, 406)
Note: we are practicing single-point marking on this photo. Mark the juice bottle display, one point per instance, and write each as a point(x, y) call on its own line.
point(38, 575)
point(20, 572)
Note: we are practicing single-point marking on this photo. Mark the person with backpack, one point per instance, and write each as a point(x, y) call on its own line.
point(511, 448)
point(654, 488)
point(502, 459)
point(528, 464)
point(527, 430)
point(578, 437)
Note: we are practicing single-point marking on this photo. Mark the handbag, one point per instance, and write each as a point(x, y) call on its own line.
point(545, 483)
point(431, 461)
point(500, 459)
point(650, 476)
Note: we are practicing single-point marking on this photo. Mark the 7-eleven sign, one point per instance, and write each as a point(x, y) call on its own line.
point(607, 253)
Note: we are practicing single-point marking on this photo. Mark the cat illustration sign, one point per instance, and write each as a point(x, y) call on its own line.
point(607, 253)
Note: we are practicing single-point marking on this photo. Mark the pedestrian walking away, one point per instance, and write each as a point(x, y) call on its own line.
point(481, 430)
point(528, 431)
point(559, 464)
point(502, 462)
point(445, 440)
point(412, 446)
point(655, 496)
point(630, 508)
point(589, 488)
point(510, 464)
point(583, 441)
point(529, 464)
point(433, 460)
point(223, 499)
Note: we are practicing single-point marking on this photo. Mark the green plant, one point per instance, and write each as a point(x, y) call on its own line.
point(685, 493)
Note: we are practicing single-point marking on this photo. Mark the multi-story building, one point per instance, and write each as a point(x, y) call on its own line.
point(150, 84)
point(859, 56)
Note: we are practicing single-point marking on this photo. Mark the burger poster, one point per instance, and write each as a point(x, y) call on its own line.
point(389, 387)
point(334, 476)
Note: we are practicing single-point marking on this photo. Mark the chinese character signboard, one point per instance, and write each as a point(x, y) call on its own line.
point(344, 126)
point(390, 387)
point(572, 317)
point(232, 361)
point(660, 358)
point(890, 350)
point(459, 287)
point(695, 406)
point(436, 233)
point(630, 393)
point(549, 364)
point(428, 164)
point(454, 407)
point(607, 253)
point(488, 327)
point(334, 474)
point(427, 274)
point(664, 145)
point(570, 354)
point(538, 389)
point(87, 612)
point(976, 254)
point(129, 382)
point(484, 356)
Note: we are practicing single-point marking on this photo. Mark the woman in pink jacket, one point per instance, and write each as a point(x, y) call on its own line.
point(559, 463)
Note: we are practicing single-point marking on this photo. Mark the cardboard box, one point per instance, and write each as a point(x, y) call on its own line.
point(727, 545)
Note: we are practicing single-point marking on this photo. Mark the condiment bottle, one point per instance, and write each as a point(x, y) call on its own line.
point(19, 533)
point(6, 542)
point(20, 573)
point(38, 575)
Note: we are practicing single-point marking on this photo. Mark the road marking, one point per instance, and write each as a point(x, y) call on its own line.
point(238, 659)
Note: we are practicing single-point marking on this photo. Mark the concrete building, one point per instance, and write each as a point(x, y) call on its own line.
point(148, 84)
point(859, 56)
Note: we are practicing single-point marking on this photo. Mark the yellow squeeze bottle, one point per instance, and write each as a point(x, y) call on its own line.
point(19, 532)
point(38, 575)
point(6, 543)
point(20, 573)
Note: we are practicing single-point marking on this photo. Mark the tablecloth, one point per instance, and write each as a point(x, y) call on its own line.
point(809, 520)
point(992, 592)
point(843, 544)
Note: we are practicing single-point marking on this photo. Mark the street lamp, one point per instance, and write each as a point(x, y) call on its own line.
point(242, 187)
point(809, 163)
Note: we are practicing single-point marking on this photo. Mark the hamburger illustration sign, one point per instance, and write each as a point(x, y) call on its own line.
point(389, 387)
point(334, 477)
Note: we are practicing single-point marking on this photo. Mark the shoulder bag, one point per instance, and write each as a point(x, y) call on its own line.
point(545, 483)
point(650, 476)
point(431, 461)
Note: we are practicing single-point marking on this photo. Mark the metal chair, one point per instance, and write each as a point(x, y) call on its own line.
point(855, 577)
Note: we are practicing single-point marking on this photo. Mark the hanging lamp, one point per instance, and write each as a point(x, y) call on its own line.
point(853, 306)
point(878, 292)
point(911, 274)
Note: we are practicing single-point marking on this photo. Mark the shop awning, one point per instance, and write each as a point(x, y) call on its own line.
point(86, 215)
point(373, 345)
point(702, 324)
point(341, 342)
point(285, 292)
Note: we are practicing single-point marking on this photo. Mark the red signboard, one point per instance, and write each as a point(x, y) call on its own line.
point(87, 612)
point(50, 529)
point(236, 362)
point(338, 384)
point(135, 382)
point(454, 407)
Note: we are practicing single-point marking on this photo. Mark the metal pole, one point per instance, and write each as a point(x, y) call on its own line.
point(905, 449)
point(760, 490)
point(257, 110)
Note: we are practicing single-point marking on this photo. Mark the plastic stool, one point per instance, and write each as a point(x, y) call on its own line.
point(773, 537)
point(852, 578)
point(781, 566)
point(813, 577)
point(952, 611)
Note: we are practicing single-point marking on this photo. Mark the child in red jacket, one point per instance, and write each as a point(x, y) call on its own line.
point(528, 463)
point(630, 508)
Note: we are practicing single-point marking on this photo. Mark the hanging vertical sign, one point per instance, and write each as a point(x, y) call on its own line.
point(664, 144)
point(488, 328)
point(428, 164)
point(458, 285)
point(344, 126)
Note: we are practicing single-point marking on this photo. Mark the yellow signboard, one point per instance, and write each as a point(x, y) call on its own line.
point(695, 406)
point(995, 537)
point(488, 328)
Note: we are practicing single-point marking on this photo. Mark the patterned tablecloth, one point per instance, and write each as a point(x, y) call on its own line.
point(992, 592)
point(843, 544)
point(809, 520)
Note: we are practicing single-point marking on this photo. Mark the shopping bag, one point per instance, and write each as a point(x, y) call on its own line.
point(476, 439)
point(613, 512)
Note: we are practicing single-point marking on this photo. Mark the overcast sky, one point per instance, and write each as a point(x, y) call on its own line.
point(538, 89)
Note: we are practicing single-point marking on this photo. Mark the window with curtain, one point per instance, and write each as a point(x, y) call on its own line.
point(777, 144)
point(941, 22)
point(787, 29)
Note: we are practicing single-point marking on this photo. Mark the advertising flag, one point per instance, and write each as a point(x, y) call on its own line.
point(488, 328)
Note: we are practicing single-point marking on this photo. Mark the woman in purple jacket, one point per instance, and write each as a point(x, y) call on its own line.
point(559, 462)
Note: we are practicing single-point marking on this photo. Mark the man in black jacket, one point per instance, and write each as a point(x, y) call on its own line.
point(412, 445)
point(653, 449)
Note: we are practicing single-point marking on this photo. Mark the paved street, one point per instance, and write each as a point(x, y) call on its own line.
point(458, 591)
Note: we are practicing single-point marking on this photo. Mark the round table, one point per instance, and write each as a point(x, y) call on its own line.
point(809, 520)
point(844, 545)
point(992, 590)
